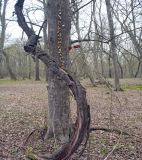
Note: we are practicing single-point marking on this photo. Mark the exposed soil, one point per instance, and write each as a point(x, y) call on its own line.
point(23, 107)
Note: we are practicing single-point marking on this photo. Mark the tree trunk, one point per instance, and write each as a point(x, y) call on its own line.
point(45, 34)
point(102, 62)
point(113, 46)
point(12, 75)
point(37, 69)
point(58, 92)
point(85, 66)
point(1, 74)
point(101, 38)
point(2, 31)
point(30, 69)
point(137, 71)
point(109, 67)
point(121, 69)
point(2, 38)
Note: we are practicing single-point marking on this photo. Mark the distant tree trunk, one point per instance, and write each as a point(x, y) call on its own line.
point(109, 67)
point(2, 39)
point(121, 69)
point(45, 34)
point(132, 31)
point(138, 68)
point(131, 70)
point(29, 61)
point(96, 51)
point(58, 92)
point(102, 62)
point(1, 47)
point(113, 46)
point(37, 69)
point(1, 75)
point(85, 66)
point(101, 38)
point(12, 75)
point(23, 67)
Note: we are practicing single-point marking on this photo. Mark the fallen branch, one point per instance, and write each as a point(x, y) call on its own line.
point(117, 131)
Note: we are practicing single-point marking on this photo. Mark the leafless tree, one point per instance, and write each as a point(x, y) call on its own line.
point(113, 45)
point(3, 6)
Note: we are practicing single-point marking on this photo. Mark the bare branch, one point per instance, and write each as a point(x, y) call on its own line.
point(87, 40)
point(83, 6)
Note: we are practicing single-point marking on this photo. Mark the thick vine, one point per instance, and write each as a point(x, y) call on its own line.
point(82, 125)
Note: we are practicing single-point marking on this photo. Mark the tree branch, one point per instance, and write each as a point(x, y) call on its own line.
point(87, 40)
point(117, 131)
point(83, 6)
point(21, 19)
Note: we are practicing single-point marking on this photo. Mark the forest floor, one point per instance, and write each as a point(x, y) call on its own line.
point(23, 107)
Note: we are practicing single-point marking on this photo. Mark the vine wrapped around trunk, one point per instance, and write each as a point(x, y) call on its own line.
point(82, 124)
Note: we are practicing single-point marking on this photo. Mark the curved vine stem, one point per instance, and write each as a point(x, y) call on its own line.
point(82, 124)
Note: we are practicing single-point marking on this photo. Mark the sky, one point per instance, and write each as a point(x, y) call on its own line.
point(14, 31)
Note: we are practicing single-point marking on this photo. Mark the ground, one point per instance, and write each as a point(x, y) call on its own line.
point(23, 108)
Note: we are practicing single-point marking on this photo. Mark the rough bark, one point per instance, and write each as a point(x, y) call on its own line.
point(58, 92)
point(82, 124)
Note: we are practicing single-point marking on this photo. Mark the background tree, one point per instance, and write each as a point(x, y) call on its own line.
point(3, 5)
point(113, 45)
